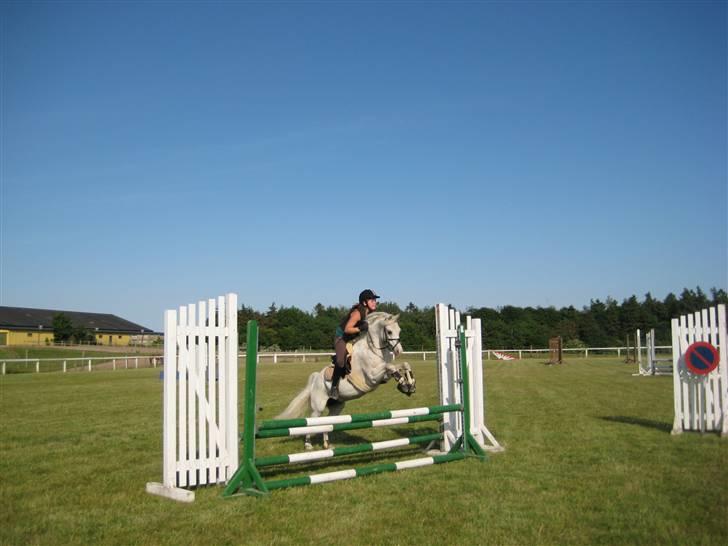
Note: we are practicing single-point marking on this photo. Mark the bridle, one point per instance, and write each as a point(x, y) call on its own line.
point(387, 345)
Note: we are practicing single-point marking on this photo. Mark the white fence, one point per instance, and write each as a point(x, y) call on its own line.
point(451, 384)
point(651, 364)
point(487, 353)
point(82, 363)
point(701, 399)
point(200, 429)
point(38, 365)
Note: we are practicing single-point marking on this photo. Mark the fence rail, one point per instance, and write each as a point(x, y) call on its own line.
point(29, 365)
point(89, 363)
point(488, 353)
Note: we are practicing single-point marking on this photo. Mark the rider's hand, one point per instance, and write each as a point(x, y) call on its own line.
point(363, 325)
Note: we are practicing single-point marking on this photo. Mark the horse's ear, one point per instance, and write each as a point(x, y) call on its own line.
point(394, 318)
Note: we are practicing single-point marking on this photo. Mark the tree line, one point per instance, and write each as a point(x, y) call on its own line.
point(600, 324)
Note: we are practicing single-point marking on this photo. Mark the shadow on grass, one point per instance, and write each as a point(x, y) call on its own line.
point(659, 425)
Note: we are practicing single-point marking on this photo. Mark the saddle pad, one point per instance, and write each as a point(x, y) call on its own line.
point(356, 380)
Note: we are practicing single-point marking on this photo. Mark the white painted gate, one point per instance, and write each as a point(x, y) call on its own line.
point(651, 364)
point(701, 401)
point(449, 382)
point(200, 428)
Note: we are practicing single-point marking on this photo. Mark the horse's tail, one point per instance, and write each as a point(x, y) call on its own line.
point(299, 404)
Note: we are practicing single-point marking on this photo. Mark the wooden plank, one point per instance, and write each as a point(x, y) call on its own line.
point(182, 398)
point(716, 409)
point(212, 442)
point(192, 455)
point(677, 423)
point(231, 359)
point(169, 399)
point(201, 393)
point(723, 355)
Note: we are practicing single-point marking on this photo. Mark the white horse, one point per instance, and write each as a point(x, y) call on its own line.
point(372, 364)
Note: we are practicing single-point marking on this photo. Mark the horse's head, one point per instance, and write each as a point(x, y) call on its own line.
point(385, 331)
point(383, 335)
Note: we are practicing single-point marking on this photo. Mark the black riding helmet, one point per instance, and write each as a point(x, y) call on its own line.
point(367, 295)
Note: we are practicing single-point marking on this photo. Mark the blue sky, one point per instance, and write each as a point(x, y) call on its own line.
point(480, 154)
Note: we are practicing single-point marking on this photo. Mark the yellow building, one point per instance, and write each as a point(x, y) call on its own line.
point(26, 326)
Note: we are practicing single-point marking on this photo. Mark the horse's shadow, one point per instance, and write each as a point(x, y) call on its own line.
point(639, 421)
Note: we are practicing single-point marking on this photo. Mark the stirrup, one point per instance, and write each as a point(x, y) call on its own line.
point(334, 393)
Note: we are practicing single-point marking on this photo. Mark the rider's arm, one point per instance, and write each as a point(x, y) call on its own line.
point(350, 325)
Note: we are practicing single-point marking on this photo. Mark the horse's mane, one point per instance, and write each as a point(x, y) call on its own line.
point(378, 316)
point(374, 319)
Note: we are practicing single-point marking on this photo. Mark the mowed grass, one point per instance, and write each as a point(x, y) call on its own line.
point(589, 460)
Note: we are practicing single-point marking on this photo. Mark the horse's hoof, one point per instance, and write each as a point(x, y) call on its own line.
point(308, 446)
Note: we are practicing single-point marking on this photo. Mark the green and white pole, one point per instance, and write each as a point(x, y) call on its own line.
point(320, 429)
point(364, 471)
point(308, 456)
point(356, 417)
point(467, 442)
point(247, 474)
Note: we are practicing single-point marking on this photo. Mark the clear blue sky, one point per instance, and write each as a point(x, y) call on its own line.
point(479, 154)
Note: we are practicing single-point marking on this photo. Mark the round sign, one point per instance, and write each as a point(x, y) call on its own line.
point(701, 358)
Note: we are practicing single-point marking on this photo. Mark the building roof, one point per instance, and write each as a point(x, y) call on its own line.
point(24, 318)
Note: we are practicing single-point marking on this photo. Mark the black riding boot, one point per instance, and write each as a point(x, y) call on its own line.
point(338, 374)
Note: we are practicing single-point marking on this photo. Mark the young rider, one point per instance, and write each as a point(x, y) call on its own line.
point(354, 323)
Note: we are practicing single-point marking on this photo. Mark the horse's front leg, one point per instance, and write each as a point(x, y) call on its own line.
point(403, 375)
point(385, 371)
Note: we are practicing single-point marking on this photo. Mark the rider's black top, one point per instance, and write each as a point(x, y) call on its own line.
point(363, 310)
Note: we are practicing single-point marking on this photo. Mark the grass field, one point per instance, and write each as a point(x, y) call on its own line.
point(589, 460)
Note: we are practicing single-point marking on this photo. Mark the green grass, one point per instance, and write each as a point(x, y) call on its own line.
point(589, 460)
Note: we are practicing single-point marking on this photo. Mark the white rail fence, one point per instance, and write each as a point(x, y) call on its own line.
point(82, 363)
point(125, 362)
point(487, 353)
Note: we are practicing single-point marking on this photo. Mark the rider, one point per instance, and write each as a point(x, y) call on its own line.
point(354, 323)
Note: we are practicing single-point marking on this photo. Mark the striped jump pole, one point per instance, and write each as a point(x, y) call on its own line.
point(354, 418)
point(320, 429)
point(308, 456)
point(364, 471)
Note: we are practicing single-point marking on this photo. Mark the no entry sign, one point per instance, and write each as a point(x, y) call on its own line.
point(701, 358)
